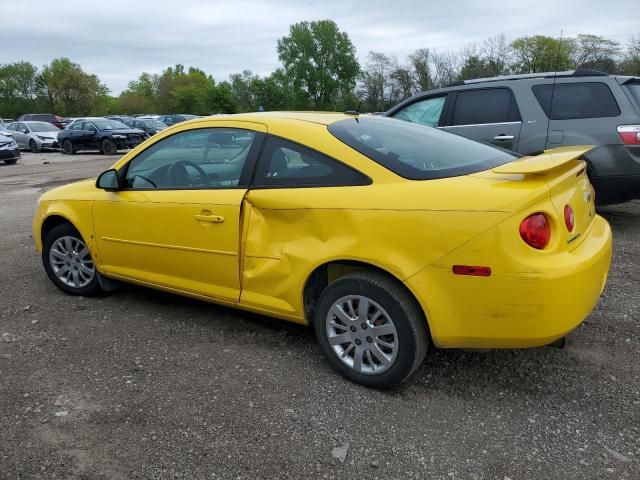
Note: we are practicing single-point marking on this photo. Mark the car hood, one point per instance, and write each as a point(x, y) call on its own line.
point(53, 135)
point(80, 190)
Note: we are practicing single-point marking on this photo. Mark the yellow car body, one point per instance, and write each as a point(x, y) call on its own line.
point(259, 249)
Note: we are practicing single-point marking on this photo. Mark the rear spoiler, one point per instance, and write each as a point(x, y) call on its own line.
point(547, 160)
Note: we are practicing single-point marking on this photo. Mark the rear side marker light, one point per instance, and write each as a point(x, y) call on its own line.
point(472, 270)
point(569, 217)
point(535, 231)
point(629, 134)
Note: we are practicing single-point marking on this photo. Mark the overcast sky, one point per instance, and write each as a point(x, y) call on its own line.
point(117, 40)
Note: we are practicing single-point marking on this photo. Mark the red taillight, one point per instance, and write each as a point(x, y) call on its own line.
point(535, 231)
point(630, 134)
point(569, 218)
point(471, 270)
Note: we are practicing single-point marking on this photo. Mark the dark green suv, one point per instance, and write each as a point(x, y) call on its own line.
point(534, 112)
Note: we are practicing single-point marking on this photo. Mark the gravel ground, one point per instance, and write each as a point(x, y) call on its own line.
point(143, 384)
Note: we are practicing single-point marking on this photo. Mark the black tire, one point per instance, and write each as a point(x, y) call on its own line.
point(68, 148)
point(11, 161)
point(33, 146)
point(66, 230)
point(405, 314)
point(109, 147)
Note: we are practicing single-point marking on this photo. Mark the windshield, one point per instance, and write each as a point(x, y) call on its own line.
point(154, 124)
point(42, 127)
point(415, 151)
point(108, 124)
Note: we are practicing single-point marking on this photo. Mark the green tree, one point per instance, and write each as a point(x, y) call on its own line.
point(70, 90)
point(595, 52)
point(542, 54)
point(630, 64)
point(320, 60)
point(19, 89)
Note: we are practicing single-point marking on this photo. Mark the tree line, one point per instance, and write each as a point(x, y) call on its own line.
point(319, 71)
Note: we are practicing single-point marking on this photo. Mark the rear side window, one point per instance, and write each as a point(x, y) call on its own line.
point(490, 105)
point(287, 164)
point(568, 101)
point(634, 88)
point(415, 151)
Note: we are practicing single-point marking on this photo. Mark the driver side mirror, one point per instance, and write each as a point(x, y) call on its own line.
point(25, 130)
point(108, 180)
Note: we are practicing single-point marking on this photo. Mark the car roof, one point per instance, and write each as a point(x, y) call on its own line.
point(323, 118)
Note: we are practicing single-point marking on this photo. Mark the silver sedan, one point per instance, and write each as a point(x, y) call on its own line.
point(35, 136)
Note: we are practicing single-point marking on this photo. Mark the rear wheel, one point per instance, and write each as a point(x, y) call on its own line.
point(109, 147)
point(33, 146)
point(68, 262)
point(67, 147)
point(371, 329)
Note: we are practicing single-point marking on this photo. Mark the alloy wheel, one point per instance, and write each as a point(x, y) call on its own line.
point(362, 334)
point(71, 262)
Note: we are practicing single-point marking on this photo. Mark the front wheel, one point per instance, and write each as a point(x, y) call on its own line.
point(11, 161)
point(68, 262)
point(67, 148)
point(33, 146)
point(371, 329)
point(109, 147)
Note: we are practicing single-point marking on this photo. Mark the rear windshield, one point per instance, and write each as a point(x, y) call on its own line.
point(415, 151)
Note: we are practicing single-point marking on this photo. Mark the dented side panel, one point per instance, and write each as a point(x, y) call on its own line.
point(285, 241)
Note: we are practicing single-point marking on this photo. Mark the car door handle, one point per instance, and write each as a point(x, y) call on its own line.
point(503, 137)
point(209, 218)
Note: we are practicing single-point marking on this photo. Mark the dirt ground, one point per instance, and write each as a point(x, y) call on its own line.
point(143, 384)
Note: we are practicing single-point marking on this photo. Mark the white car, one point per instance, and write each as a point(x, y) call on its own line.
point(35, 136)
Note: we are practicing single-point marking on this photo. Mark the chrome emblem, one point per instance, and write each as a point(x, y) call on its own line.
point(587, 197)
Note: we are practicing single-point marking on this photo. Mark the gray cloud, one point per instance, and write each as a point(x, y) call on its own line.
point(118, 40)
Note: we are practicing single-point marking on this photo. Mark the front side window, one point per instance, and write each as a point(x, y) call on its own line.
point(77, 125)
point(425, 112)
point(207, 158)
point(490, 105)
point(565, 101)
point(417, 152)
point(287, 164)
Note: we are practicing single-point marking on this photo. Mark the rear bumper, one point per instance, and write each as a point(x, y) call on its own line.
point(615, 173)
point(518, 310)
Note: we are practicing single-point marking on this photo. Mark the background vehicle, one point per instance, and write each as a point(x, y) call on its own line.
point(9, 150)
point(150, 126)
point(97, 133)
point(35, 136)
point(126, 119)
point(380, 233)
point(56, 120)
point(3, 129)
point(176, 118)
point(589, 108)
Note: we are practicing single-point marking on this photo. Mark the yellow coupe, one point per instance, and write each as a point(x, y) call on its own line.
point(386, 236)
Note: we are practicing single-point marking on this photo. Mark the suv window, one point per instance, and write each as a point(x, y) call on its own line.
point(425, 112)
point(634, 88)
point(205, 158)
point(576, 100)
point(489, 105)
point(417, 152)
point(287, 164)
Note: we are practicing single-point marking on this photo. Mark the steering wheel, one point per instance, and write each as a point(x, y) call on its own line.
point(178, 174)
